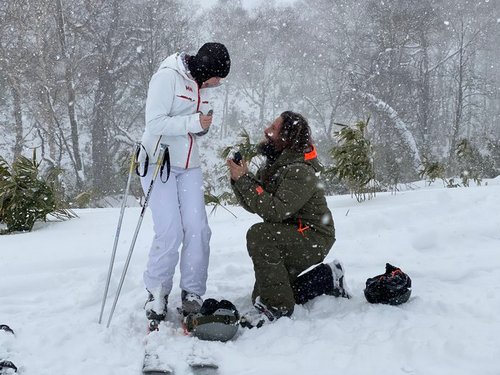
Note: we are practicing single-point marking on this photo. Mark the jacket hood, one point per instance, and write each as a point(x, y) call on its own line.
point(310, 158)
point(176, 63)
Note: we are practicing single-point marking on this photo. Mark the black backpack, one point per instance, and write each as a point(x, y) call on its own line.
point(393, 287)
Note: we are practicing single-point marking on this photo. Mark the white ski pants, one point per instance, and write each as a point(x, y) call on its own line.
point(179, 217)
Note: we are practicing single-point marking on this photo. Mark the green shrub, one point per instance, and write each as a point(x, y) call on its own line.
point(470, 162)
point(432, 170)
point(247, 149)
point(26, 197)
point(493, 147)
point(353, 161)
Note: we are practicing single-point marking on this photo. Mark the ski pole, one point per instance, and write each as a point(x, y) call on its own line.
point(118, 227)
point(163, 156)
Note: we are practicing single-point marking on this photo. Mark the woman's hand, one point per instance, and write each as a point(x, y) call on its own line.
point(205, 121)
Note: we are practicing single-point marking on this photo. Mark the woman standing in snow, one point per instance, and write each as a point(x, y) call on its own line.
point(177, 113)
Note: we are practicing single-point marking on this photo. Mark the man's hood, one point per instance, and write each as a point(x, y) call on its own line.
point(289, 157)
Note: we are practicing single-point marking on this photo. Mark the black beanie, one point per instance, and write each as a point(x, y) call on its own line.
point(212, 60)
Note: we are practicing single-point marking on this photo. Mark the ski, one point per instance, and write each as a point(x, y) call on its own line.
point(153, 366)
point(204, 368)
point(6, 328)
point(200, 361)
point(6, 367)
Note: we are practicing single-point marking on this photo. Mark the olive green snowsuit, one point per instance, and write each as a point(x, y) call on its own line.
point(298, 229)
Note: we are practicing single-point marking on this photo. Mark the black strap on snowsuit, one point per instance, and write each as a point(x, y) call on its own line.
point(165, 162)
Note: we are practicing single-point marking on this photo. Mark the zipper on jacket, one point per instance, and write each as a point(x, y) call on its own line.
point(190, 149)
point(199, 99)
point(189, 134)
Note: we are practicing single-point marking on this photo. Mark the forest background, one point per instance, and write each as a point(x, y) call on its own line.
point(74, 78)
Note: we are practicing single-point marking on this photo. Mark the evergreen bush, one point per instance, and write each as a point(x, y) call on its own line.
point(472, 165)
point(432, 170)
point(493, 147)
point(353, 161)
point(247, 149)
point(26, 197)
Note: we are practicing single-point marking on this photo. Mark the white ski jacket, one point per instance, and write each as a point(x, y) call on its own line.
point(172, 114)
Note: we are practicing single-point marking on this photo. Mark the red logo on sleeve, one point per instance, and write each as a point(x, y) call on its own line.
point(259, 190)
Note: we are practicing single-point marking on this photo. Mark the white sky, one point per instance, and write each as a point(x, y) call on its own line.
point(246, 3)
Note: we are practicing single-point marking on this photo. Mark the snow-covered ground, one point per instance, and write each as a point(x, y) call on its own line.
point(447, 240)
